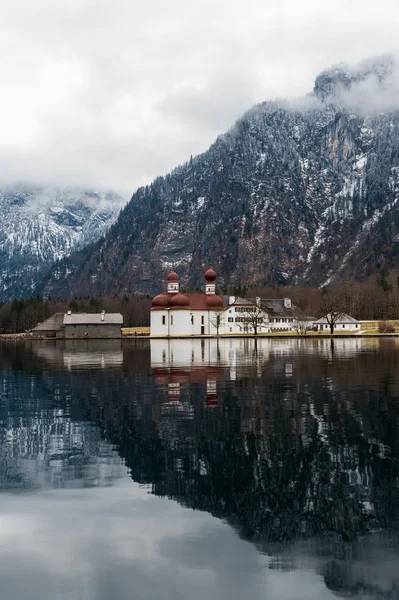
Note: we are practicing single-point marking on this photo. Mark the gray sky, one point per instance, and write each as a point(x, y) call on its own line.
point(111, 93)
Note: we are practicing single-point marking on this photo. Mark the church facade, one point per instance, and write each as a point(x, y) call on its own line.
point(174, 314)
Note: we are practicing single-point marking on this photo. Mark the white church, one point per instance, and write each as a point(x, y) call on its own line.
point(180, 315)
point(194, 314)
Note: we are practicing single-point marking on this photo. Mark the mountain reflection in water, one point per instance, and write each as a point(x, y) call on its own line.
point(292, 443)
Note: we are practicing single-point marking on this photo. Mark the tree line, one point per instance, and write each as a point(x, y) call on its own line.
point(375, 299)
point(22, 315)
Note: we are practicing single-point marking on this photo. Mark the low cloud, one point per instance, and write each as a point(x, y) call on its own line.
point(110, 95)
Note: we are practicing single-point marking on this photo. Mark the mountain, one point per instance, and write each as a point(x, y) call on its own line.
point(298, 191)
point(40, 225)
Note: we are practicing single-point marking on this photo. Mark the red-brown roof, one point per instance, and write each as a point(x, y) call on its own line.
point(196, 301)
point(173, 277)
point(210, 275)
point(199, 302)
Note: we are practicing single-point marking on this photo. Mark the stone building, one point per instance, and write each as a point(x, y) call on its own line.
point(49, 327)
point(80, 326)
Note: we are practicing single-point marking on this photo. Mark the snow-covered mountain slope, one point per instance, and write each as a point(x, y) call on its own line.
point(302, 191)
point(40, 225)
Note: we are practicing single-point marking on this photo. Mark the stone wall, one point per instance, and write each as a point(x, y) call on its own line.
point(92, 331)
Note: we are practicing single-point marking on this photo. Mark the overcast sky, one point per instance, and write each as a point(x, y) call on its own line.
point(111, 93)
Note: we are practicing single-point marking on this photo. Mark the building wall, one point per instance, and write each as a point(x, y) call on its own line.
point(92, 331)
point(283, 324)
point(339, 327)
point(234, 325)
point(44, 334)
point(175, 323)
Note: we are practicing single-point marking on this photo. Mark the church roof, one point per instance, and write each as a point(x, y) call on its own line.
point(198, 301)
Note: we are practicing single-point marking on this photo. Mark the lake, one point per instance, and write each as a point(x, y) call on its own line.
point(199, 469)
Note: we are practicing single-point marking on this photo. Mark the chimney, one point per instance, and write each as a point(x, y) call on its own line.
point(103, 315)
point(232, 299)
point(258, 301)
point(69, 312)
point(287, 302)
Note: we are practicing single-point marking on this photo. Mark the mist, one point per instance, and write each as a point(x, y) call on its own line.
point(110, 95)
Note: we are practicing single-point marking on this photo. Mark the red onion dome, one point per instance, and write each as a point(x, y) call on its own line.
point(173, 277)
point(210, 275)
point(160, 301)
point(179, 301)
point(214, 302)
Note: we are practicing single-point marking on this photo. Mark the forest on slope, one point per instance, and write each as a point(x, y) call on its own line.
point(297, 192)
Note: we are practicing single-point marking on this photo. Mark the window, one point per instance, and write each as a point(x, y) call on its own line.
point(343, 326)
point(230, 311)
point(171, 319)
point(202, 319)
point(230, 329)
point(230, 319)
point(192, 319)
point(237, 310)
point(163, 320)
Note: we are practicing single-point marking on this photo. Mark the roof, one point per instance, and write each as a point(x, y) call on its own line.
point(93, 319)
point(53, 323)
point(275, 307)
point(196, 301)
point(239, 301)
point(342, 319)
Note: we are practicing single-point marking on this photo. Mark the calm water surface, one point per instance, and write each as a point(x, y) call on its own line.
point(199, 470)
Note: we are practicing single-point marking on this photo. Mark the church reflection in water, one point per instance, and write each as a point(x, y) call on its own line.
point(294, 444)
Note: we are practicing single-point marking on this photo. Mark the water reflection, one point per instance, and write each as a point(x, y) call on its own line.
point(294, 444)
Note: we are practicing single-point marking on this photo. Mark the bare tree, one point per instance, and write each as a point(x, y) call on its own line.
point(254, 317)
point(332, 306)
point(301, 326)
point(217, 320)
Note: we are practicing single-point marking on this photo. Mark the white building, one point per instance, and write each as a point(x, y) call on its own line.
point(344, 323)
point(269, 315)
point(180, 315)
point(184, 315)
point(242, 315)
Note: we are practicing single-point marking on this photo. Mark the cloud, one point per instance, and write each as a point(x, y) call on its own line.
point(112, 94)
point(120, 542)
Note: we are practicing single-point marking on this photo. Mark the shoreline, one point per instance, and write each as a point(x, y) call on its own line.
point(292, 336)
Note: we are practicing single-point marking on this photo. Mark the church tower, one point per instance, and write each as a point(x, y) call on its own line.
point(173, 282)
point(210, 286)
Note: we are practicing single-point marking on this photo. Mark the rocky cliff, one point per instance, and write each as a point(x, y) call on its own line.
point(40, 225)
point(302, 191)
